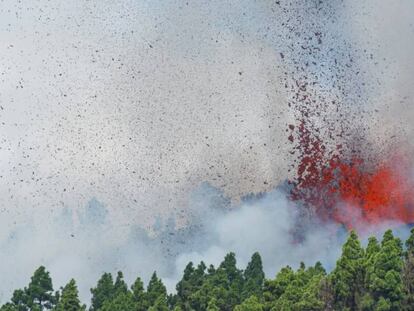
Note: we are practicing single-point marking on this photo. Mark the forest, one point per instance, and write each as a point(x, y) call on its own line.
point(377, 277)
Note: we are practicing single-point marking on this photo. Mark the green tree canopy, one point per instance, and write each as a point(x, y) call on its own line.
point(348, 275)
point(250, 304)
point(69, 300)
point(104, 291)
point(408, 274)
point(379, 277)
point(155, 290)
point(139, 295)
point(253, 277)
point(38, 295)
point(384, 274)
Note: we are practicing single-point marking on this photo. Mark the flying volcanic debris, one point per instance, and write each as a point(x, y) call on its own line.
point(341, 174)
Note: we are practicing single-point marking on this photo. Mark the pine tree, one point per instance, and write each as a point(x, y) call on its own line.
point(185, 288)
point(9, 307)
point(121, 302)
point(384, 275)
point(104, 291)
point(69, 300)
point(348, 275)
point(367, 302)
point(371, 252)
point(326, 294)
point(224, 284)
point(160, 304)
point(40, 290)
point(274, 289)
point(38, 295)
point(233, 282)
point(310, 299)
point(155, 290)
point(409, 244)
point(120, 286)
point(408, 273)
point(254, 277)
point(190, 283)
point(139, 295)
point(20, 299)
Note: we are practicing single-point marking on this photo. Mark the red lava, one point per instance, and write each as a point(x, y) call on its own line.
point(350, 190)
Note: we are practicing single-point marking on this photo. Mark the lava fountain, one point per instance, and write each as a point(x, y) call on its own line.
point(349, 188)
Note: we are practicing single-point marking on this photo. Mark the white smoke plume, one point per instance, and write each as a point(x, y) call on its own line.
point(91, 244)
point(87, 244)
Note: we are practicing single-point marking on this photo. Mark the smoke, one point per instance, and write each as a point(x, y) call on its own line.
point(386, 31)
point(269, 225)
point(86, 244)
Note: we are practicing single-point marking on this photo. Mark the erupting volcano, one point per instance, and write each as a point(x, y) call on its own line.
point(351, 189)
point(342, 173)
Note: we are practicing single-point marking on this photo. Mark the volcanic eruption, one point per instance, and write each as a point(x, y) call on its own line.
point(352, 189)
point(340, 172)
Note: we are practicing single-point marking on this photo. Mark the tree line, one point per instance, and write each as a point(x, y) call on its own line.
point(378, 277)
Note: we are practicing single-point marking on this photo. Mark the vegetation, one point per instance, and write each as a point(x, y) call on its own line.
point(379, 277)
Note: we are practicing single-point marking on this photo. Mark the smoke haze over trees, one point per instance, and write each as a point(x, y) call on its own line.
point(377, 277)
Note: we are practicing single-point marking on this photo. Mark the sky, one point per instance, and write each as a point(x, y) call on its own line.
point(134, 103)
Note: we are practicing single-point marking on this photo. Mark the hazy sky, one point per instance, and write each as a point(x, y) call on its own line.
point(137, 102)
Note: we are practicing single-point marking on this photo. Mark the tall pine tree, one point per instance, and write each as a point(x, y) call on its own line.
point(139, 295)
point(38, 295)
point(253, 277)
point(384, 274)
point(155, 290)
point(104, 291)
point(348, 275)
point(408, 273)
point(69, 300)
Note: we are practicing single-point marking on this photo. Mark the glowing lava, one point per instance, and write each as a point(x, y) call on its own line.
point(350, 190)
